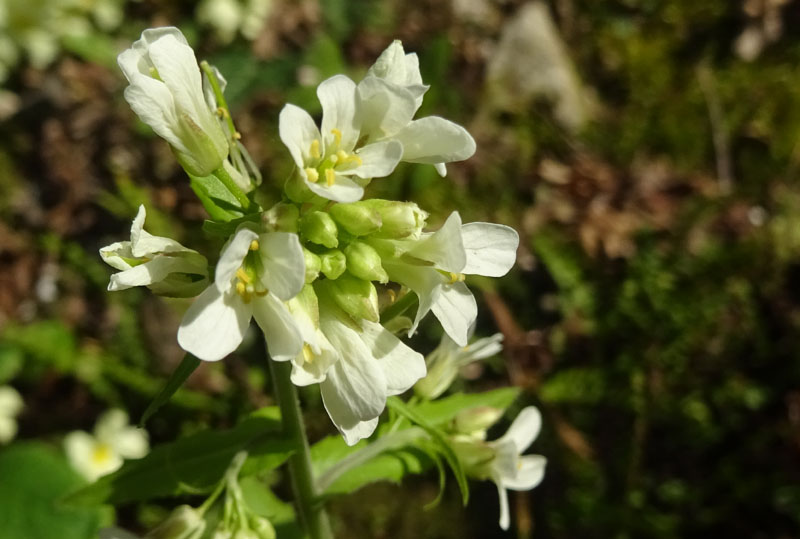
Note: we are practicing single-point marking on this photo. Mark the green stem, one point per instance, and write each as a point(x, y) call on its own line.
point(311, 513)
point(354, 460)
point(223, 176)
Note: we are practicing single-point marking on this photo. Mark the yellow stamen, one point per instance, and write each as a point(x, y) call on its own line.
point(337, 136)
point(101, 453)
point(254, 245)
point(457, 277)
point(308, 355)
point(243, 276)
point(392, 295)
point(314, 151)
point(312, 174)
point(330, 177)
point(237, 136)
point(241, 288)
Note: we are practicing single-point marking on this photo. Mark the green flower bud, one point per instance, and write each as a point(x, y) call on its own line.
point(475, 421)
point(357, 218)
point(313, 265)
point(185, 522)
point(355, 296)
point(399, 219)
point(297, 190)
point(333, 263)
point(282, 217)
point(365, 263)
point(262, 527)
point(319, 228)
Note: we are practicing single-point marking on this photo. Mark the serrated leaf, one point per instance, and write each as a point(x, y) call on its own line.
point(441, 411)
point(439, 439)
point(220, 204)
point(173, 383)
point(34, 477)
point(192, 464)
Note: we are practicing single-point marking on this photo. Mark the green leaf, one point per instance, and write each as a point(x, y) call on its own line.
point(439, 439)
point(441, 411)
point(220, 204)
point(193, 464)
point(175, 381)
point(34, 477)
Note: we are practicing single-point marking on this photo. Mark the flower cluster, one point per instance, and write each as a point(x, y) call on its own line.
point(315, 270)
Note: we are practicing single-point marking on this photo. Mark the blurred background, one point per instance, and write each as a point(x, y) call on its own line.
point(647, 151)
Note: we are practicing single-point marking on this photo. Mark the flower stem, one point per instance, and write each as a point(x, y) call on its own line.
point(311, 513)
point(223, 176)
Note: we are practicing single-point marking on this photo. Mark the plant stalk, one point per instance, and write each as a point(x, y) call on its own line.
point(310, 512)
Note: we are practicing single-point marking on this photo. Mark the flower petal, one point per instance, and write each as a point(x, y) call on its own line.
point(283, 337)
point(337, 95)
point(445, 247)
point(530, 472)
point(402, 366)
point(153, 104)
point(307, 371)
point(456, 310)
point(343, 190)
point(435, 140)
point(426, 283)
point(524, 429)
point(502, 494)
point(232, 257)
point(177, 67)
point(298, 131)
point(150, 272)
point(491, 248)
point(385, 108)
point(480, 349)
point(340, 407)
point(115, 254)
point(284, 265)
point(379, 159)
point(145, 244)
point(214, 325)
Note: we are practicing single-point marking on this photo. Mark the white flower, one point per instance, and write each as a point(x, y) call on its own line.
point(10, 406)
point(448, 358)
point(373, 364)
point(389, 97)
point(332, 162)
point(254, 276)
point(311, 365)
point(434, 267)
point(166, 92)
point(509, 469)
point(113, 441)
point(162, 264)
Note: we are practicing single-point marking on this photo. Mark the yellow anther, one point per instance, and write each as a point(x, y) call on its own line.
point(314, 151)
point(457, 277)
point(254, 245)
point(392, 295)
point(241, 289)
point(221, 112)
point(237, 136)
point(357, 159)
point(243, 276)
point(312, 174)
point(337, 136)
point(101, 453)
point(308, 354)
point(330, 176)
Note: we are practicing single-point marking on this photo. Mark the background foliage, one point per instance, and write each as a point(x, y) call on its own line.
point(646, 150)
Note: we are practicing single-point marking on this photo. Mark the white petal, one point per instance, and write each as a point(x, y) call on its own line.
point(445, 247)
point(524, 429)
point(151, 35)
point(435, 140)
point(132, 443)
point(177, 67)
point(441, 169)
point(384, 108)
point(529, 473)
point(284, 265)
point(402, 366)
point(456, 310)
point(401, 69)
point(133, 63)
point(480, 349)
point(214, 325)
point(154, 271)
point(11, 402)
point(114, 255)
point(502, 494)
point(280, 330)
point(232, 257)
point(153, 104)
point(343, 190)
point(339, 405)
point(298, 131)
point(426, 283)
point(8, 429)
point(361, 430)
point(79, 446)
point(379, 159)
point(491, 248)
point(111, 423)
point(306, 372)
point(338, 98)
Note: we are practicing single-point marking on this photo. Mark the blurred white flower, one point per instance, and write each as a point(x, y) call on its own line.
point(103, 452)
point(162, 264)
point(10, 406)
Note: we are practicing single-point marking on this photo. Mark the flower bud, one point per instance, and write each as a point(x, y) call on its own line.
point(365, 263)
point(262, 527)
point(313, 265)
point(281, 217)
point(475, 457)
point(399, 219)
point(296, 189)
point(355, 296)
point(319, 228)
point(333, 263)
point(356, 218)
point(185, 522)
point(475, 421)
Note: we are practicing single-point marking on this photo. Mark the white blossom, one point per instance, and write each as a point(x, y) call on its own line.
point(254, 276)
point(10, 406)
point(162, 264)
point(103, 452)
